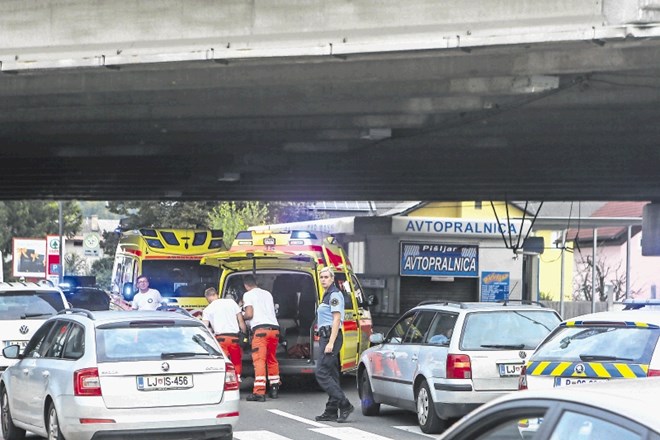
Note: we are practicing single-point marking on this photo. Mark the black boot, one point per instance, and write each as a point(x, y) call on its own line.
point(327, 416)
point(274, 391)
point(344, 412)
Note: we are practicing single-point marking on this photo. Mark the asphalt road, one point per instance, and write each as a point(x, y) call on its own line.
point(292, 417)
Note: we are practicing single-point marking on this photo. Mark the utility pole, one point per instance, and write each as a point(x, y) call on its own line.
point(61, 227)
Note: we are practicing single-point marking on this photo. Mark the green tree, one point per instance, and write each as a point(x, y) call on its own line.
point(102, 270)
point(100, 209)
point(163, 214)
point(286, 212)
point(75, 264)
point(34, 219)
point(233, 217)
point(109, 243)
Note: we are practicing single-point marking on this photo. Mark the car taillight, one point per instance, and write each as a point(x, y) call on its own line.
point(522, 379)
point(459, 366)
point(653, 373)
point(86, 382)
point(231, 378)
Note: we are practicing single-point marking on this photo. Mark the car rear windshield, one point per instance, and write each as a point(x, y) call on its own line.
point(600, 343)
point(507, 330)
point(90, 299)
point(138, 341)
point(30, 304)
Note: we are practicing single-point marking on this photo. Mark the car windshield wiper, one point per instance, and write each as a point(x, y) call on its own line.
point(509, 346)
point(181, 354)
point(534, 321)
point(599, 357)
point(584, 334)
point(34, 315)
point(208, 347)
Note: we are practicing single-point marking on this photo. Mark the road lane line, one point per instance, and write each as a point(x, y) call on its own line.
point(297, 418)
point(258, 435)
point(349, 433)
point(415, 430)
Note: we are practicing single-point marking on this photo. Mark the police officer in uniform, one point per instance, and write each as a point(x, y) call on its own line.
point(330, 317)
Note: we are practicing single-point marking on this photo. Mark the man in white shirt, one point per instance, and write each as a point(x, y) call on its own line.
point(260, 311)
point(226, 320)
point(146, 298)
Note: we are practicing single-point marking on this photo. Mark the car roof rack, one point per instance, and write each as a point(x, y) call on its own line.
point(85, 312)
point(522, 301)
point(443, 302)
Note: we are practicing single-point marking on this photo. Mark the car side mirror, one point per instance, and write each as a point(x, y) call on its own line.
point(11, 352)
point(376, 338)
point(372, 300)
point(128, 291)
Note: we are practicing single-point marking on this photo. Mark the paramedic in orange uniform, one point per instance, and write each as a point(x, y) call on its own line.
point(226, 320)
point(260, 311)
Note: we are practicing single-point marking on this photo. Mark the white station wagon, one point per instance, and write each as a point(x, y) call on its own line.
point(442, 360)
point(119, 375)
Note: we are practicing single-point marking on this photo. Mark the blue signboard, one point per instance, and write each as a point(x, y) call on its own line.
point(434, 259)
point(495, 286)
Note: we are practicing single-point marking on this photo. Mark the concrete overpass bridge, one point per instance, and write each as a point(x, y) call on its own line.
point(330, 99)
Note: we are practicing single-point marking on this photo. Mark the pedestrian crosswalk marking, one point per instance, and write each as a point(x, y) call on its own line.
point(340, 433)
point(258, 435)
point(415, 430)
point(298, 418)
point(349, 433)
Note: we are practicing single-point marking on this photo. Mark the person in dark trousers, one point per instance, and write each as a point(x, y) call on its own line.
point(330, 316)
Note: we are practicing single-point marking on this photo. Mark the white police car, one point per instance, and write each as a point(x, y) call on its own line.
point(595, 348)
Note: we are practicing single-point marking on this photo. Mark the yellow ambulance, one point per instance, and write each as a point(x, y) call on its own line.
point(287, 264)
point(171, 260)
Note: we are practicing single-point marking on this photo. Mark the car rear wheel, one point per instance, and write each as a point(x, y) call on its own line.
point(9, 431)
point(428, 420)
point(53, 424)
point(369, 406)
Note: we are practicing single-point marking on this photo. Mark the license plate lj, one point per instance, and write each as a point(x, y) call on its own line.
point(164, 382)
point(510, 369)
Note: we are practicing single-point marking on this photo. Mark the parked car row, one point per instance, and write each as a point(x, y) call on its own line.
point(443, 360)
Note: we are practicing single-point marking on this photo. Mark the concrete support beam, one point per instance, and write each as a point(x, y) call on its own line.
point(41, 34)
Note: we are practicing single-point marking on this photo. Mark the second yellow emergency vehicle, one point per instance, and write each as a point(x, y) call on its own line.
point(287, 264)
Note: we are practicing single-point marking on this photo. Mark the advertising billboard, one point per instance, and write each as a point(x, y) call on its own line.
point(436, 259)
point(29, 257)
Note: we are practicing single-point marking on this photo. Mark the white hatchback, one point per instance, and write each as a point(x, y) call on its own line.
point(118, 375)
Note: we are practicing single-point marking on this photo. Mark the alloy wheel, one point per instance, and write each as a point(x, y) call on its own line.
point(53, 425)
point(5, 413)
point(422, 406)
